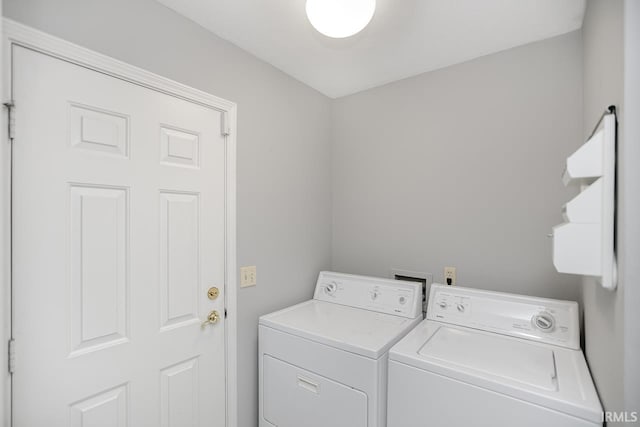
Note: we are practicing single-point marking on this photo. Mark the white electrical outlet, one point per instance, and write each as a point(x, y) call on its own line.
point(247, 276)
point(450, 273)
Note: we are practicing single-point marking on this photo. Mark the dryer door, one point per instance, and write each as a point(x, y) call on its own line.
point(295, 397)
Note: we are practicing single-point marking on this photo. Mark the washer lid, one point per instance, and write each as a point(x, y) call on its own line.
point(495, 355)
point(351, 329)
point(543, 374)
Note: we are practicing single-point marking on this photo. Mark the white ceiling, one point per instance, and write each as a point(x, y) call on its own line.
point(405, 37)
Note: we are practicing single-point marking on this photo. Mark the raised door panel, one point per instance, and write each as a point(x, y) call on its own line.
point(98, 130)
point(105, 409)
point(179, 393)
point(99, 267)
point(179, 147)
point(180, 258)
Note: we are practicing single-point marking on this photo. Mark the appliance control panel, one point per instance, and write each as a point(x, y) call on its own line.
point(537, 319)
point(371, 293)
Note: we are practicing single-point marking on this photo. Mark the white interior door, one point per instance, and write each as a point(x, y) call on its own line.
point(118, 233)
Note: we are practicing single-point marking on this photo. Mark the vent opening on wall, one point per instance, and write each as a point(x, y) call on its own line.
point(415, 276)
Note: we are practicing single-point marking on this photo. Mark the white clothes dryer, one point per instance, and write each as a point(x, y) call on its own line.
point(492, 359)
point(324, 362)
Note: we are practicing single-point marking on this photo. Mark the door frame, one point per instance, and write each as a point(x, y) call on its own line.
point(16, 34)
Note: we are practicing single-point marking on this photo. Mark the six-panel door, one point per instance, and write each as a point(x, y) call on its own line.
point(118, 233)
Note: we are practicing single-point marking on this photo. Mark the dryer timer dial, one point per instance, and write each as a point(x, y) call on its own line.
point(330, 288)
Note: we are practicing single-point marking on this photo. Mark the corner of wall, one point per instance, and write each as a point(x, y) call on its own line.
point(604, 311)
point(631, 207)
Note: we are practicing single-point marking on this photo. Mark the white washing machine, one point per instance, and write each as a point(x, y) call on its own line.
point(324, 362)
point(492, 359)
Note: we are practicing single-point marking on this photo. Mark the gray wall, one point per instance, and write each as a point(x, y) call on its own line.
point(603, 86)
point(611, 34)
point(461, 167)
point(284, 205)
point(631, 197)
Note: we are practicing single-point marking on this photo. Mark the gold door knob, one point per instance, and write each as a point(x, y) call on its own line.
point(213, 292)
point(212, 319)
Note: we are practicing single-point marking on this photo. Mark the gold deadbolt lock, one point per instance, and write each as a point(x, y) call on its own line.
point(212, 319)
point(213, 292)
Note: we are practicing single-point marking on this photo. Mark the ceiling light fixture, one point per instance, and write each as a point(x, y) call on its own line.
point(340, 18)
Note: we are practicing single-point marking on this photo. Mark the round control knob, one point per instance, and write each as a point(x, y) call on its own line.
point(544, 321)
point(374, 295)
point(442, 304)
point(460, 308)
point(402, 300)
point(330, 288)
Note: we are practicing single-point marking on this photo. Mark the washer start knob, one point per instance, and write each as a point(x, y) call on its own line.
point(544, 321)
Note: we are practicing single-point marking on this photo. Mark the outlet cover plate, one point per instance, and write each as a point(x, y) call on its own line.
point(450, 273)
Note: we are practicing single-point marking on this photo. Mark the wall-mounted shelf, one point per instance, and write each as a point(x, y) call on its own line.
point(584, 243)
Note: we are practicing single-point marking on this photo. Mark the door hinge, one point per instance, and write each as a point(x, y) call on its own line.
point(224, 124)
point(12, 356)
point(11, 119)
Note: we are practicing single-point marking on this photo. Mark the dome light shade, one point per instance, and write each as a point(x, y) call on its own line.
point(340, 18)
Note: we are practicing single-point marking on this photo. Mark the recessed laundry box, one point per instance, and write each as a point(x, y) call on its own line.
point(324, 362)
